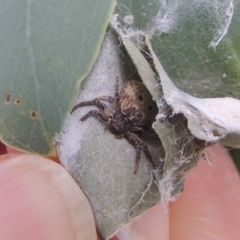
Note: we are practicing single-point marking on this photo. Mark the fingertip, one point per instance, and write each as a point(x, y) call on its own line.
point(39, 200)
point(209, 205)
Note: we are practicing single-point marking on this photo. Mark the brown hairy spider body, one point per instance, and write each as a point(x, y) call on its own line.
point(127, 115)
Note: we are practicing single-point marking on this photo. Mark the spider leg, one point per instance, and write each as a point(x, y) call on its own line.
point(98, 114)
point(137, 159)
point(94, 102)
point(116, 95)
point(136, 129)
point(133, 140)
point(139, 145)
point(147, 153)
point(109, 99)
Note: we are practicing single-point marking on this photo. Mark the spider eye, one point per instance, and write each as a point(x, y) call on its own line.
point(140, 98)
point(150, 108)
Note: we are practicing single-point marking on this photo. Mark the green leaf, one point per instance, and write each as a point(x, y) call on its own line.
point(100, 163)
point(47, 48)
point(206, 40)
point(196, 41)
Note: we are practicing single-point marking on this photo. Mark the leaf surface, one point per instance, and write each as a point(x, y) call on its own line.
point(47, 48)
point(197, 42)
point(100, 163)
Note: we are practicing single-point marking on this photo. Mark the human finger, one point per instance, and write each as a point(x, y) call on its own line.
point(39, 200)
point(209, 205)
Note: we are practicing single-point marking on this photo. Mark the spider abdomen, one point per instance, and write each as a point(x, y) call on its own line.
point(137, 104)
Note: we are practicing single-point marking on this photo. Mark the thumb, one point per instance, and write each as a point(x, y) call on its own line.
point(39, 200)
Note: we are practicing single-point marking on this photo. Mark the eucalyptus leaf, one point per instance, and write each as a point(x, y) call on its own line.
point(47, 49)
point(205, 36)
point(102, 165)
point(209, 119)
point(197, 42)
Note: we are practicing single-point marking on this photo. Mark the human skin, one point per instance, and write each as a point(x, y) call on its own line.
point(40, 200)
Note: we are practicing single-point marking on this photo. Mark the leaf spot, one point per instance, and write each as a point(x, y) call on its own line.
point(33, 114)
point(7, 98)
point(18, 101)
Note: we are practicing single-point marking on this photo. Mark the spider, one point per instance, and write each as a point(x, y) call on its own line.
point(129, 113)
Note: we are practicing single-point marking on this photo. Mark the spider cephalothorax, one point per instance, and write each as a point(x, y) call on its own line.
point(128, 114)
